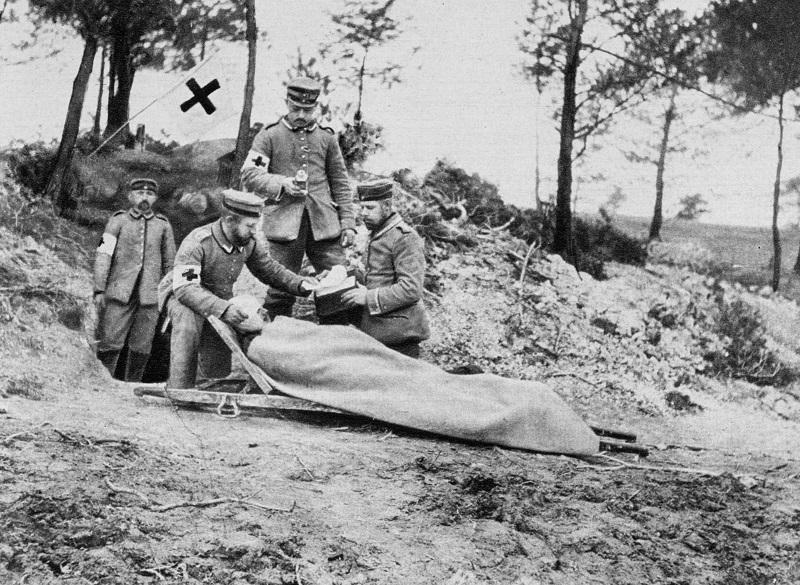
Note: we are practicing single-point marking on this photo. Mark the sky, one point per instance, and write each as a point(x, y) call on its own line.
point(462, 98)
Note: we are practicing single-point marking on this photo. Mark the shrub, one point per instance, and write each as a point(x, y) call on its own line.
point(479, 197)
point(598, 241)
point(31, 164)
point(359, 144)
point(745, 354)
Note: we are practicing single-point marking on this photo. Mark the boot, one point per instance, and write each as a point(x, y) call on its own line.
point(135, 366)
point(109, 359)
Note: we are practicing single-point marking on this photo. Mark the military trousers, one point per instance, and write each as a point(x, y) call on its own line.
point(323, 255)
point(130, 323)
point(195, 348)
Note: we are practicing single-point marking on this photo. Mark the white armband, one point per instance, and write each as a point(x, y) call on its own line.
point(108, 244)
point(184, 274)
point(256, 160)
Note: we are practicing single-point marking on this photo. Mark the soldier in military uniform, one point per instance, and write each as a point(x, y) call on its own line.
point(390, 297)
point(136, 250)
point(296, 166)
point(207, 265)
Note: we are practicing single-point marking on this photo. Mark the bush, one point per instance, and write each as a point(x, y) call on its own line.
point(358, 145)
point(745, 354)
point(479, 197)
point(31, 164)
point(598, 241)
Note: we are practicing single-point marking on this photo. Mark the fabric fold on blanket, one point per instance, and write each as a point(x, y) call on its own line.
point(346, 369)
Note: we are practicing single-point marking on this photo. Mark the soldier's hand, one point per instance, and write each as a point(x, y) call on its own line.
point(348, 238)
point(99, 302)
point(355, 297)
point(309, 284)
point(234, 316)
point(291, 188)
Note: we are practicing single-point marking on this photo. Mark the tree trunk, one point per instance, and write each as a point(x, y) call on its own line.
point(658, 215)
point(122, 64)
point(99, 109)
point(776, 195)
point(55, 185)
point(562, 241)
point(243, 138)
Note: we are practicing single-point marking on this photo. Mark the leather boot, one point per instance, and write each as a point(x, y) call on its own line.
point(134, 368)
point(109, 359)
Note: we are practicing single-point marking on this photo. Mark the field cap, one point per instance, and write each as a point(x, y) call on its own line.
point(375, 190)
point(242, 203)
point(303, 92)
point(143, 185)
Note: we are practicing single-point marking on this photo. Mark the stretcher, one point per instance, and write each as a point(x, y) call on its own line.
point(257, 394)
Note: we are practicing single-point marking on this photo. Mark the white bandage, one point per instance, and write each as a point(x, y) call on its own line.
point(108, 244)
point(256, 160)
point(184, 274)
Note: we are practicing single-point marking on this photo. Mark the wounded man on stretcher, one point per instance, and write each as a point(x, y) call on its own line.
point(343, 368)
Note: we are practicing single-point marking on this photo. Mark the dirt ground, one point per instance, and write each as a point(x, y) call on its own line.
point(87, 470)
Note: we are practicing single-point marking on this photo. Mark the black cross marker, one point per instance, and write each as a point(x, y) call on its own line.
point(201, 95)
point(189, 275)
point(259, 161)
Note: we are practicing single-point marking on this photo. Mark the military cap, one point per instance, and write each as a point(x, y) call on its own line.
point(242, 203)
point(143, 185)
point(375, 190)
point(303, 92)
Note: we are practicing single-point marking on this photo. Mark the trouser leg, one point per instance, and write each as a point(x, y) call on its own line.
point(290, 255)
point(214, 357)
point(324, 255)
point(184, 344)
point(140, 341)
point(113, 327)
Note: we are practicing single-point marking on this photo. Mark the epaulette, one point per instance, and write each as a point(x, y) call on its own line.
point(327, 129)
point(161, 216)
point(202, 233)
point(404, 227)
point(268, 126)
point(119, 212)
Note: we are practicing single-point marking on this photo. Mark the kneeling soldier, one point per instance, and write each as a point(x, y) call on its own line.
point(392, 312)
point(207, 265)
point(136, 250)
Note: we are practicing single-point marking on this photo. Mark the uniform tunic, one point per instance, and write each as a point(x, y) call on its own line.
point(278, 152)
point(395, 271)
point(135, 252)
point(206, 267)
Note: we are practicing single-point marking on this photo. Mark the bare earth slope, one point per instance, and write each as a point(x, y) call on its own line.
point(98, 486)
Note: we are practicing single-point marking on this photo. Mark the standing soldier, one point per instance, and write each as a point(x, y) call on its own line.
point(136, 250)
point(207, 265)
point(296, 166)
point(391, 302)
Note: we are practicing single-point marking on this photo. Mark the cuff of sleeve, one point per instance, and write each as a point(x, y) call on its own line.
point(373, 302)
point(218, 308)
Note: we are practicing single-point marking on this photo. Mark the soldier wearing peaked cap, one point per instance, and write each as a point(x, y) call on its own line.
point(390, 294)
point(136, 250)
point(297, 167)
point(207, 265)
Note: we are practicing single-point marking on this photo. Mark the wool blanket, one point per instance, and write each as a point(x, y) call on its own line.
point(346, 369)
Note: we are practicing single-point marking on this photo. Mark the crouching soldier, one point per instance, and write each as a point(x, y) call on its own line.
point(136, 251)
point(207, 265)
point(391, 294)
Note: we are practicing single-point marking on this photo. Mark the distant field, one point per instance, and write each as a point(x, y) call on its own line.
point(748, 250)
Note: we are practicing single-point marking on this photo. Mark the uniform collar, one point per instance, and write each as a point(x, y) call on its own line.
point(390, 222)
point(136, 214)
point(310, 128)
point(222, 239)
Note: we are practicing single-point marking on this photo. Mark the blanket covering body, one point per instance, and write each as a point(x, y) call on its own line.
point(346, 369)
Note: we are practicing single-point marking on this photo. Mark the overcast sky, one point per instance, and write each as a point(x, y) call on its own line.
point(461, 98)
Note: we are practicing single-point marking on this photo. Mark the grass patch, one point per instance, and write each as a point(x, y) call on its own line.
point(27, 386)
